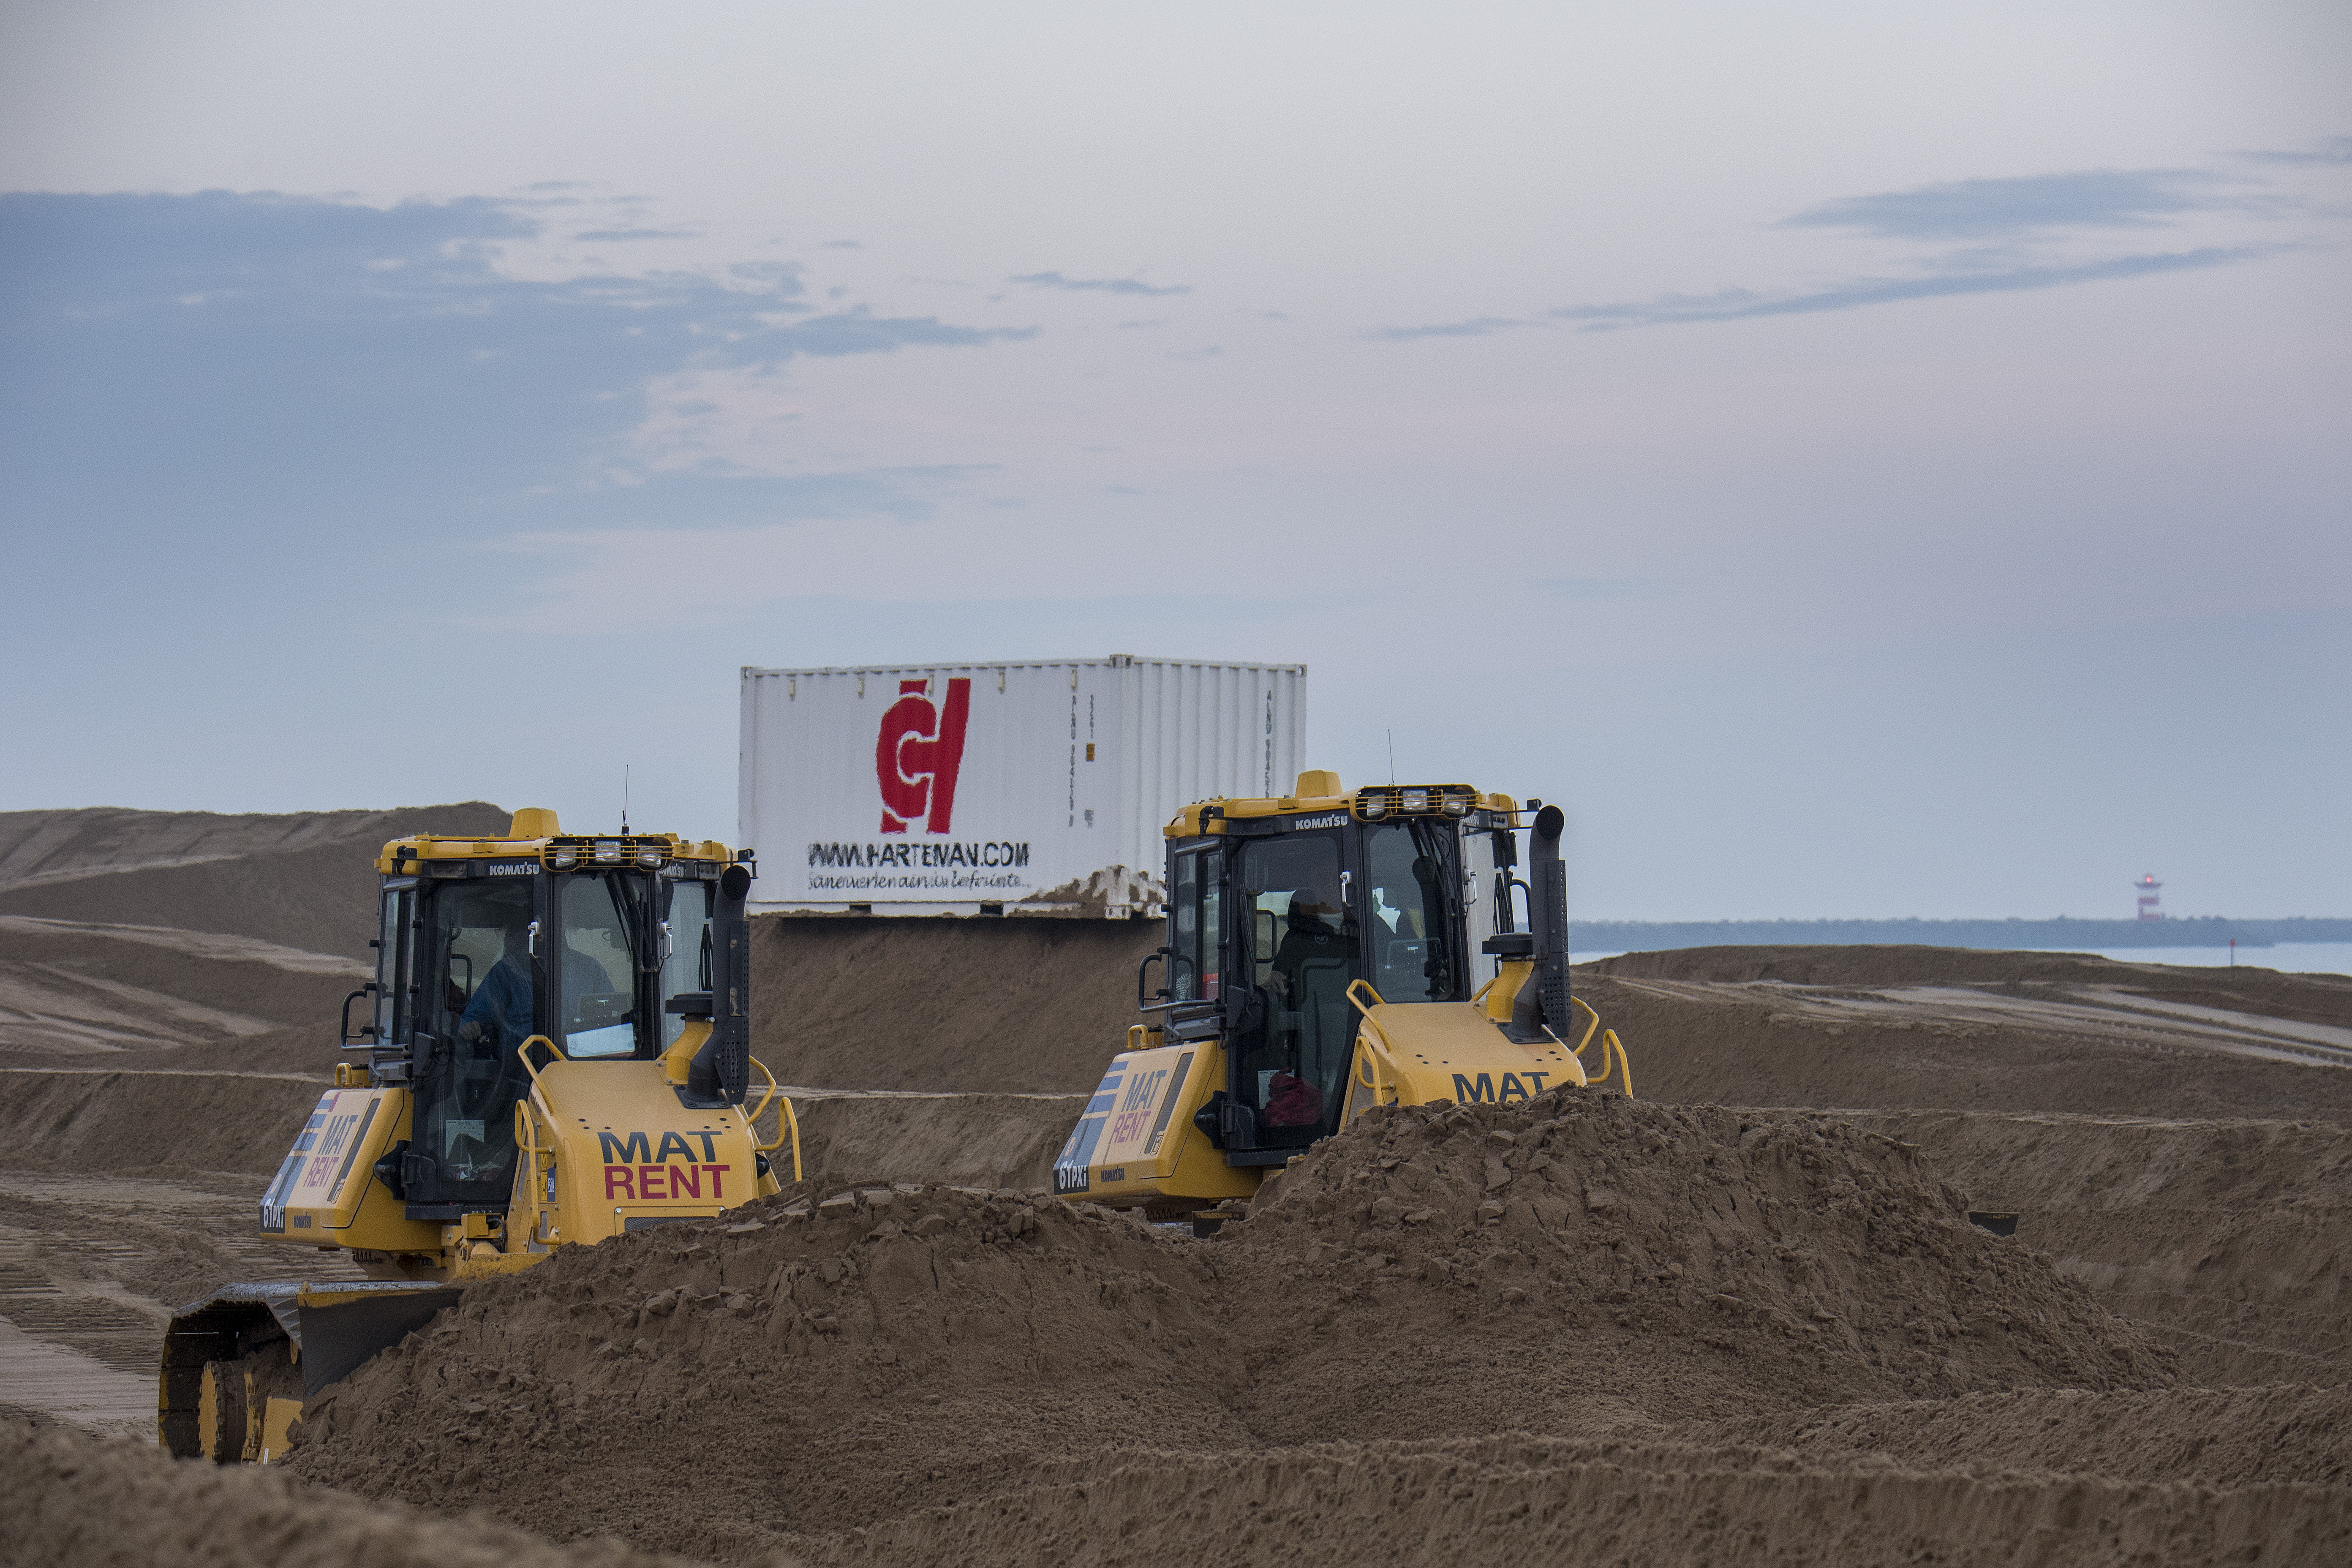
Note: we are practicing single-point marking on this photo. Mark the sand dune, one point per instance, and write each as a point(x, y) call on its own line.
point(1747, 1318)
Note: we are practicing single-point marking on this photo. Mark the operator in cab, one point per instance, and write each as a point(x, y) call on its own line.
point(501, 1009)
point(1314, 939)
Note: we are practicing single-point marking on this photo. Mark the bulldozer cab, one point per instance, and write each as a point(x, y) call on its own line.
point(583, 945)
point(1273, 917)
point(556, 1047)
point(1329, 953)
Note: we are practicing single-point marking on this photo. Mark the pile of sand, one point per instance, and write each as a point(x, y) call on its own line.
point(1561, 1267)
point(1747, 1044)
point(152, 1123)
point(1515, 1501)
point(142, 939)
point(304, 879)
point(962, 1140)
point(2247, 987)
point(977, 1006)
point(1466, 1503)
point(80, 989)
point(2214, 1437)
point(66, 1499)
point(1792, 1254)
point(2229, 1234)
point(1582, 1326)
point(812, 1371)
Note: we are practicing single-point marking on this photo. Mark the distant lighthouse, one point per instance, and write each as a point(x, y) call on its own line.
point(2148, 886)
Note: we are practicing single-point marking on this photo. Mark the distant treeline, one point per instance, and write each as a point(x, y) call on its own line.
point(2211, 931)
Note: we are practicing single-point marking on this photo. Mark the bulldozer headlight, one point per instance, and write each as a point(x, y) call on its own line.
point(565, 860)
point(1416, 800)
point(1456, 806)
point(1373, 805)
point(649, 857)
point(608, 851)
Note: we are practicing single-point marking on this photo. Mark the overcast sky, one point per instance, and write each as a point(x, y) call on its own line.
point(1863, 459)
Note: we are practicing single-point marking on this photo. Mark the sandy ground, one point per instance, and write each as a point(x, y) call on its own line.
point(1753, 1319)
point(91, 1267)
point(303, 881)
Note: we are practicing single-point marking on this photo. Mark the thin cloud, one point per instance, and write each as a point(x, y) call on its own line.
point(856, 331)
point(841, 245)
point(2036, 205)
point(1738, 305)
point(1097, 284)
point(1478, 327)
point(2333, 150)
point(780, 279)
point(605, 235)
point(316, 346)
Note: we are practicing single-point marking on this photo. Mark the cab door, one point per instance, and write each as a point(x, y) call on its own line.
point(486, 942)
point(1196, 941)
point(394, 950)
point(1292, 1029)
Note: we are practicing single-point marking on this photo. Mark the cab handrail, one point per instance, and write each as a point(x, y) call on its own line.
point(535, 1203)
point(523, 1050)
point(1376, 1053)
point(1376, 1056)
point(1609, 1042)
point(786, 1121)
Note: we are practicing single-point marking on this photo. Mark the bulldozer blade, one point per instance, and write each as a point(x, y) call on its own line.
point(342, 1326)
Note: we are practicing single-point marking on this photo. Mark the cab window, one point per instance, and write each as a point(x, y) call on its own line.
point(686, 950)
point(478, 1002)
point(392, 967)
point(1196, 911)
point(598, 1008)
point(1408, 876)
point(1302, 953)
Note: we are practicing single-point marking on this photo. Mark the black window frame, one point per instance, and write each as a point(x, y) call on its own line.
point(1247, 1015)
point(1456, 910)
point(391, 1019)
point(645, 1013)
point(434, 1056)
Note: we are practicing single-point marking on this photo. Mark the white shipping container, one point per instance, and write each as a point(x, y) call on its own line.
point(1019, 789)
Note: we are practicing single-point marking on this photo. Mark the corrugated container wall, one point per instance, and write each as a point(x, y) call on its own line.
point(1021, 789)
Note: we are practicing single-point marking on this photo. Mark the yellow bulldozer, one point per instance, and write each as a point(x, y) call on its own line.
point(1323, 957)
point(555, 1051)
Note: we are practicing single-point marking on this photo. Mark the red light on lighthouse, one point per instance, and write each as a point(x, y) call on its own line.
point(2149, 909)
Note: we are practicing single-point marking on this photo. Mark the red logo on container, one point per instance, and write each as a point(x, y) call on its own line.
point(918, 753)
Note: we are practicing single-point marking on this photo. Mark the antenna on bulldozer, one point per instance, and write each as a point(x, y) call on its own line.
point(1392, 756)
point(624, 798)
